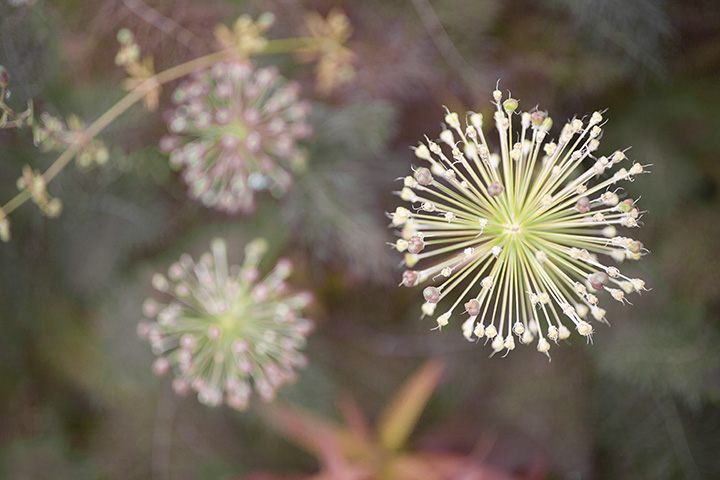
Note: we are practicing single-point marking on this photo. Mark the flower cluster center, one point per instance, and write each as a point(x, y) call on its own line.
point(514, 239)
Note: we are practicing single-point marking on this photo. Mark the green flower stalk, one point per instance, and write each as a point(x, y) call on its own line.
point(521, 244)
point(226, 331)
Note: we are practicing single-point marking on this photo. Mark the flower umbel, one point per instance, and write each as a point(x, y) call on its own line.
point(235, 131)
point(247, 35)
point(139, 71)
point(334, 59)
point(518, 243)
point(226, 330)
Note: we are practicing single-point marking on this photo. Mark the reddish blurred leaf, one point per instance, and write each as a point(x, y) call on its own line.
point(399, 417)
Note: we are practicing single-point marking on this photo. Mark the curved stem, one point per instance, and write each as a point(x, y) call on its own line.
point(135, 95)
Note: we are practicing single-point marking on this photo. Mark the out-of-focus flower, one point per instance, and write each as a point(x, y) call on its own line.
point(8, 117)
point(140, 71)
point(4, 227)
point(519, 241)
point(247, 35)
point(35, 184)
point(334, 59)
point(227, 330)
point(235, 131)
point(51, 134)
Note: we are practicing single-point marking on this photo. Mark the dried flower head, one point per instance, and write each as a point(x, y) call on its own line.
point(141, 72)
point(247, 35)
point(518, 243)
point(234, 131)
point(334, 60)
point(226, 330)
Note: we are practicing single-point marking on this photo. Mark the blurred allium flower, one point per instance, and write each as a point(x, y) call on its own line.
point(518, 243)
point(226, 330)
point(235, 131)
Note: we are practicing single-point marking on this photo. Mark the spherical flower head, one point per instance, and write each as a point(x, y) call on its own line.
point(226, 330)
point(235, 131)
point(522, 243)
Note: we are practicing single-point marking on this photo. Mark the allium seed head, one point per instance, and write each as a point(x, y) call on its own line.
point(583, 204)
point(431, 294)
point(222, 340)
point(415, 244)
point(510, 105)
point(521, 238)
point(423, 176)
point(235, 131)
point(598, 280)
point(410, 278)
point(473, 308)
point(494, 189)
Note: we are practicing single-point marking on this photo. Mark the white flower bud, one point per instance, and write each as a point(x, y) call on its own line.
point(543, 346)
point(563, 332)
point(552, 333)
point(490, 331)
point(518, 328)
point(447, 137)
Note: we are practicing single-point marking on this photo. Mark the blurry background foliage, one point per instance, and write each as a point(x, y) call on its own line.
point(77, 398)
